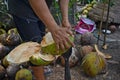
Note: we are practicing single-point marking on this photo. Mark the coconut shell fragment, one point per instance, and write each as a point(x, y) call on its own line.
point(41, 59)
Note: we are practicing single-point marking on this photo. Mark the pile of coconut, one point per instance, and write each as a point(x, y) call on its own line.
point(8, 40)
point(15, 61)
point(16, 55)
point(91, 59)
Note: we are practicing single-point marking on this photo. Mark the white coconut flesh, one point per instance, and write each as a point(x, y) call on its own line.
point(47, 40)
point(45, 57)
point(23, 52)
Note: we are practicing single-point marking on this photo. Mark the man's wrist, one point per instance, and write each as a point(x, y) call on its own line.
point(52, 27)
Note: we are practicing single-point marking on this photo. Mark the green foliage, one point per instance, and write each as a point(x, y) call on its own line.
point(5, 17)
point(106, 1)
point(3, 7)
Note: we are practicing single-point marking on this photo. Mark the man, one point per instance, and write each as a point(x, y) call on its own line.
point(31, 17)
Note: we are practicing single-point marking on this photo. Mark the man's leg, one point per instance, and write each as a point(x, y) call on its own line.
point(29, 31)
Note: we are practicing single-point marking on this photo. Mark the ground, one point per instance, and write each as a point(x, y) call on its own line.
point(113, 67)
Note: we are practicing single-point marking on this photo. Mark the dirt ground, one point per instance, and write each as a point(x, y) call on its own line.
point(113, 67)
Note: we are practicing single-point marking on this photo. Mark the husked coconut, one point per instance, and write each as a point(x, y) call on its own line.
point(86, 50)
point(2, 72)
point(12, 70)
point(87, 39)
point(3, 51)
point(73, 60)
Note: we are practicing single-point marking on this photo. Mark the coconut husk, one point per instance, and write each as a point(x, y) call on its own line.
point(114, 17)
point(23, 52)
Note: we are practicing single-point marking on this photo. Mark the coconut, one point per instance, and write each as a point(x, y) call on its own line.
point(112, 28)
point(86, 50)
point(48, 45)
point(23, 74)
point(23, 52)
point(3, 51)
point(3, 38)
point(29, 51)
point(12, 70)
point(2, 31)
point(12, 30)
point(12, 39)
point(93, 64)
point(2, 72)
point(41, 59)
point(73, 60)
point(87, 39)
point(5, 63)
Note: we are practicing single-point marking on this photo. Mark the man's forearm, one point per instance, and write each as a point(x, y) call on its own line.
point(64, 9)
point(42, 11)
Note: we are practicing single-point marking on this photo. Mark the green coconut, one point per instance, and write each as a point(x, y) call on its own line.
point(23, 52)
point(93, 64)
point(23, 74)
point(12, 30)
point(2, 31)
point(41, 59)
point(5, 63)
point(48, 45)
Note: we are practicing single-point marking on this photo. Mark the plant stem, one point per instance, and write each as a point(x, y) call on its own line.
point(100, 27)
point(104, 43)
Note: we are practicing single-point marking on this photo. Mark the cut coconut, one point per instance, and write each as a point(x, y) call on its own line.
point(23, 52)
point(48, 45)
point(41, 59)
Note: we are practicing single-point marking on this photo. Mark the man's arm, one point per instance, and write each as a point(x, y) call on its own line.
point(59, 34)
point(42, 11)
point(64, 10)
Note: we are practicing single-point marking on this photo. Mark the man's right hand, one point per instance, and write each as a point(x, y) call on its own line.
point(60, 36)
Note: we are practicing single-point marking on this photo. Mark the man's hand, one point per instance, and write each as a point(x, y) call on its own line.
point(60, 36)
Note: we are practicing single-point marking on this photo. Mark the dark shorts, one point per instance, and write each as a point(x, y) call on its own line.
point(28, 29)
